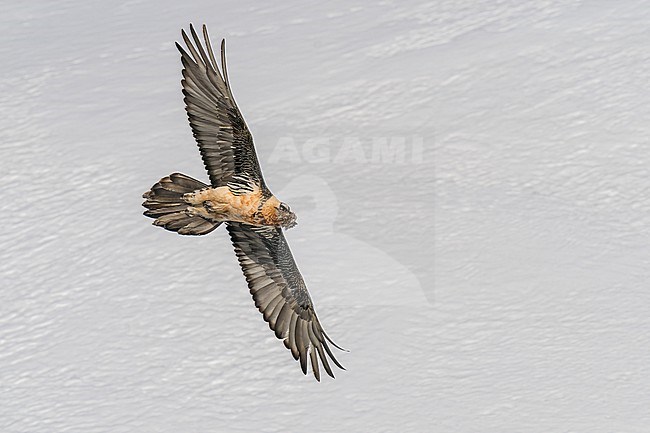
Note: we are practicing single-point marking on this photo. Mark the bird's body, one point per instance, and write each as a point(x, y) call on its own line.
point(220, 204)
point(238, 196)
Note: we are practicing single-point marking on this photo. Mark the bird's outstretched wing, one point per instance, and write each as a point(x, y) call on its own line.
point(224, 140)
point(280, 294)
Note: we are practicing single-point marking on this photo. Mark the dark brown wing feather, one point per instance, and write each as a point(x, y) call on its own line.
point(280, 294)
point(224, 140)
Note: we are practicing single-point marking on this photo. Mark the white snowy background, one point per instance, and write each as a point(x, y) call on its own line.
point(495, 280)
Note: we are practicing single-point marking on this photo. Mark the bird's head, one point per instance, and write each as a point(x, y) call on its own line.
point(285, 217)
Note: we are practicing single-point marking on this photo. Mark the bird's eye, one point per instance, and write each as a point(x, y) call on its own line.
point(284, 207)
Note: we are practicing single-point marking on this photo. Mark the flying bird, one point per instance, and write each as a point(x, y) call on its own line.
point(238, 196)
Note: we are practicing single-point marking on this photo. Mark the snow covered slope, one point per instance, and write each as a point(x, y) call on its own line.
point(471, 182)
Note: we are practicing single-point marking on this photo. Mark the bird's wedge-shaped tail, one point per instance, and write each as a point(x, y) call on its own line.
point(165, 203)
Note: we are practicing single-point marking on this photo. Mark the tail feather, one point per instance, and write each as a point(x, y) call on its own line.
point(164, 203)
point(156, 209)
